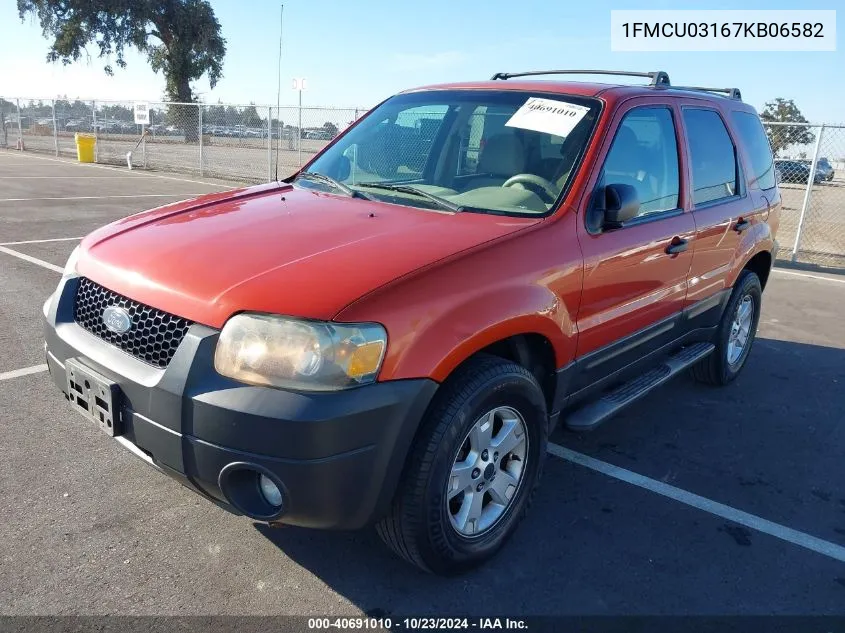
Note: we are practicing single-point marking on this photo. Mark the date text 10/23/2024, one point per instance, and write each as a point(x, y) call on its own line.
point(416, 624)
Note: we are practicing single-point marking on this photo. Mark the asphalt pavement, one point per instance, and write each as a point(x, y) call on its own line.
point(711, 501)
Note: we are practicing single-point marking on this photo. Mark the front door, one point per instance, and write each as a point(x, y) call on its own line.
point(635, 277)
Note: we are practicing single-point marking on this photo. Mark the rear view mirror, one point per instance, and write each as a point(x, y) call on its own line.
point(621, 203)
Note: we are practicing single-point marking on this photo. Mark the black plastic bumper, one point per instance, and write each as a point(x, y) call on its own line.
point(337, 455)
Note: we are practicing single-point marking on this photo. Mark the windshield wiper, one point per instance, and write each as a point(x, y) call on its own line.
point(441, 202)
point(313, 175)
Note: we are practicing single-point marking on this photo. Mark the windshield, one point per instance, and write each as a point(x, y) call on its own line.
point(462, 150)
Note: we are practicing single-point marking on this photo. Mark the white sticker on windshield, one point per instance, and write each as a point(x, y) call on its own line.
point(548, 115)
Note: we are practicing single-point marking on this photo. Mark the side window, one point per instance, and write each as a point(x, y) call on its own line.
point(398, 146)
point(712, 155)
point(756, 143)
point(471, 142)
point(644, 154)
point(416, 129)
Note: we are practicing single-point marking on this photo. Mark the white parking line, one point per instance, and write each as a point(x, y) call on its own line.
point(138, 195)
point(70, 163)
point(17, 373)
point(815, 544)
point(53, 239)
point(808, 275)
point(807, 541)
point(31, 260)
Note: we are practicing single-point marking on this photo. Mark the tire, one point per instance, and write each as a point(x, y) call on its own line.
point(424, 525)
point(722, 367)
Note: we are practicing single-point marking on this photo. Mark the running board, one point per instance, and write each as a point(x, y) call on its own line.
point(597, 411)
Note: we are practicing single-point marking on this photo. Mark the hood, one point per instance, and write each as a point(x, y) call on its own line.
point(274, 248)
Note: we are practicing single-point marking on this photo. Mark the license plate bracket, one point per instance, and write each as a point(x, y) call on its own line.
point(94, 396)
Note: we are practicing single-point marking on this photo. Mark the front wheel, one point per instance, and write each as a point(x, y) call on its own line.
point(735, 335)
point(473, 469)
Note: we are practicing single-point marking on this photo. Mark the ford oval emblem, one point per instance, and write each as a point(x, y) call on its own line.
point(117, 319)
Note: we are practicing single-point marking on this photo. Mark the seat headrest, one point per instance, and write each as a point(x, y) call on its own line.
point(503, 155)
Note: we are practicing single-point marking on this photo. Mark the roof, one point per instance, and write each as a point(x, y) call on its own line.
point(584, 89)
point(579, 88)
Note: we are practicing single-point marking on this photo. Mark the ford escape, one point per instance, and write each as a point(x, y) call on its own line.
point(388, 336)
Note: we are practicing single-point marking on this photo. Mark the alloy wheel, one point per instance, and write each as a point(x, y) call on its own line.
point(740, 333)
point(487, 472)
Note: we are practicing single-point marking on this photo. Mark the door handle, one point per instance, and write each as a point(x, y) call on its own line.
point(741, 225)
point(677, 245)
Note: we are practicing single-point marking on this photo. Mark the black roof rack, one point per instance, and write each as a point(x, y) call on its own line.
point(658, 77)
point(731, 93)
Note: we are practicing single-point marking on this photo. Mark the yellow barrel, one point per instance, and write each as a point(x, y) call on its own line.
point(85, 144)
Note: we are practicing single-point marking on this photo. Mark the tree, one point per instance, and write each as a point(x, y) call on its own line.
point(331, 128)
point(181, 38)
point(782, 136)
point(250, 117)
point(215, 115)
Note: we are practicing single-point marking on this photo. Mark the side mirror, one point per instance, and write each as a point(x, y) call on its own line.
point(621, 203)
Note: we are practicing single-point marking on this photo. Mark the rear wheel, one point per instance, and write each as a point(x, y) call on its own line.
point(473, 470)
point(735, 334)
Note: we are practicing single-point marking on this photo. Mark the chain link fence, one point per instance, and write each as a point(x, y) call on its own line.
point(810, 167)
point(227, 141)
point(245, 143)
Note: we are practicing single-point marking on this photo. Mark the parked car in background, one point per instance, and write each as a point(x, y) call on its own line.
point(825, 169)
point(390, 335)
point(794, 171)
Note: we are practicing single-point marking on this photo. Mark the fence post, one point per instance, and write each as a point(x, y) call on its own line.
point(20, 130)
point(199, 118)
point(299, 132)
point(269, 143)
point(807, 194)
point(144, 145)
point(55, 129)
point(96, 131)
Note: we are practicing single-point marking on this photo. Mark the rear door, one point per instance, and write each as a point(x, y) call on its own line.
point(722, 206)
point(635, 277)
point(759, 167)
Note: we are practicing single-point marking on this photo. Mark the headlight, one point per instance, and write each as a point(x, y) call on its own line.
point(70, 266)
point(311, 355)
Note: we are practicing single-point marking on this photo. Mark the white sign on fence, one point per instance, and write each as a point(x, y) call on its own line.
point(142, 113)
point(299, 84)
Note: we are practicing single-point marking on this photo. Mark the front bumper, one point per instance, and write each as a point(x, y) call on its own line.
point(337, 455)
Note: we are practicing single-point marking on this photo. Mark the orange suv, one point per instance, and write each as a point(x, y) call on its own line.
point(389, 336)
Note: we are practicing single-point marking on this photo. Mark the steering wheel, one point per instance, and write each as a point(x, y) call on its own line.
point(532, 179)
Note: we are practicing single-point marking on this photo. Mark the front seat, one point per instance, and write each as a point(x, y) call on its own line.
point(503, 156)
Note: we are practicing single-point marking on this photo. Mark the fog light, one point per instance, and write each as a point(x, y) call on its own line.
point(271, 491)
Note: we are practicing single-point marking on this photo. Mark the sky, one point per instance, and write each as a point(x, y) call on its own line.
point(354, 54)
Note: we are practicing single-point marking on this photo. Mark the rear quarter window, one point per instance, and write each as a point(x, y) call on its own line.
point(756, 144)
